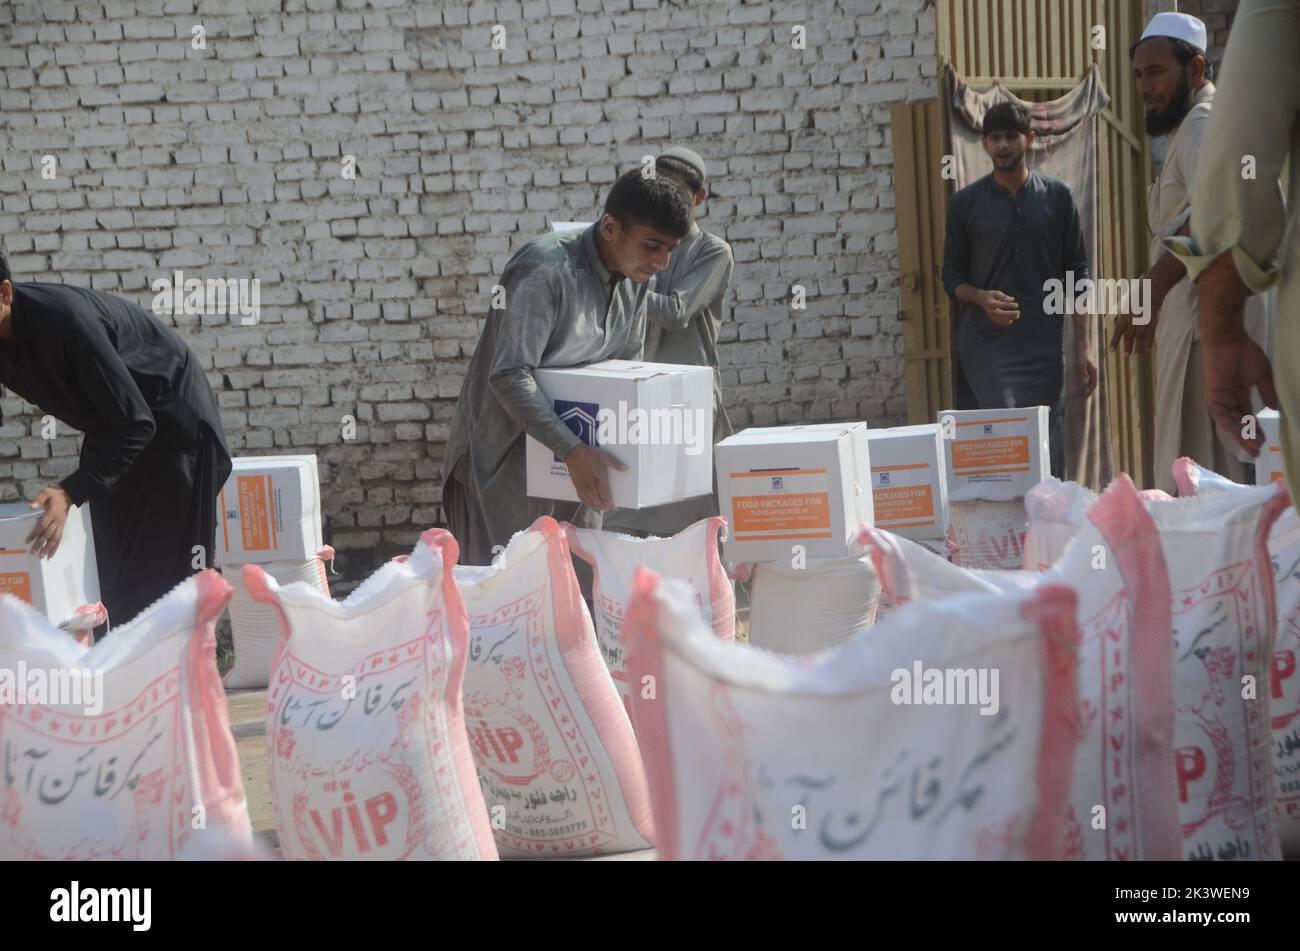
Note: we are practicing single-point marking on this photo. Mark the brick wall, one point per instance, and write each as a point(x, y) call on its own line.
point(227, 162)
point(1217, 15)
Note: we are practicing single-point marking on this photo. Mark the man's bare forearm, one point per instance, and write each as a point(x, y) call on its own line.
point(1165, 273)
point(1223, 301)
point(968, 294)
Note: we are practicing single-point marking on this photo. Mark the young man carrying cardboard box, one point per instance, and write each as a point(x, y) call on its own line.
point(154, 455)
point(684, 314)
point(571, 298)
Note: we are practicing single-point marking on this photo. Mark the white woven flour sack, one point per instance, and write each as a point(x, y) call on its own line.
point(254, 627)
point(368, 752)
point(122, 751)
point(987, 534)
point(1284, 684)
point(690, 556)
point(807, 609)
point(1054, 511)
point(909, 572)
point(1122, 795)
point(553, 744)
point(1221, 580)
point(753, 755)
point(1216, 547)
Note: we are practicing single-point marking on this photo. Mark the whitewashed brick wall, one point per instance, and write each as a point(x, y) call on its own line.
point(227, 162)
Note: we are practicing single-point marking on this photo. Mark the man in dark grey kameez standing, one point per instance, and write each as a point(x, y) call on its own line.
point(572, 298)
point(1008, 234)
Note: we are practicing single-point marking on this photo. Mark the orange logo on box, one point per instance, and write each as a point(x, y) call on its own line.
point(995, 451)
point(904, 501)
point(768, 513)
point(17, 583)
point(255, 512)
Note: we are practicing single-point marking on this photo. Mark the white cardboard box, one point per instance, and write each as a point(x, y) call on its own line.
point(908, 481)
point(996, 455)
point(655, 418)
point(1268, 466)
point(557, 226)
point(269, 510)
point(56, 586)
point(781, 486)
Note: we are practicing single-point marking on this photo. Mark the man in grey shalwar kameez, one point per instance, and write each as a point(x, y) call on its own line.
point(572, 298)
point(684, 313)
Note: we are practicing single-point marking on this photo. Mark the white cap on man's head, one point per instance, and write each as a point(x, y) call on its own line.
point(1177, 26)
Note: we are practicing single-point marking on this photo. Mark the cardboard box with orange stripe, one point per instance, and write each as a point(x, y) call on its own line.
point(269, 510)
point(782, 486)
point(908, 484)
point(1268, 466)
point(994, 455)
point(56, 586)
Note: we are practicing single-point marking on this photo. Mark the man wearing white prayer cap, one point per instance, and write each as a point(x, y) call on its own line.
point(1177, 26)
point(1171, 70)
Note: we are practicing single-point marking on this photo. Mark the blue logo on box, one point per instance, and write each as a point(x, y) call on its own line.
point(777, 483)
point(884, 478)
point(988, 429)
point(580, 418)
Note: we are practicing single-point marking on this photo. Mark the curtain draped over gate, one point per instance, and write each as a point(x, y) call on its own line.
point(1065, 147)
